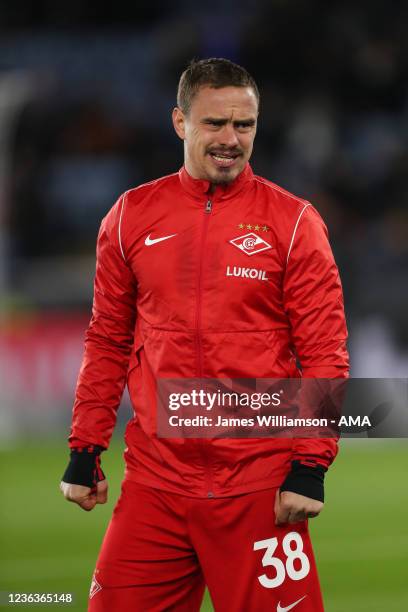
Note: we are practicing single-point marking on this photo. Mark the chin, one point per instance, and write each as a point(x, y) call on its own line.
point(224, 176)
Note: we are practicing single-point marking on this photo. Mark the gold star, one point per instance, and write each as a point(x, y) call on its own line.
point(256, 227)
point(265, 228)
point(249, 226)
point(241, 226)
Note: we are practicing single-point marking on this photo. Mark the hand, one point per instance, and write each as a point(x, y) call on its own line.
point(293, 508)
point(85, 497)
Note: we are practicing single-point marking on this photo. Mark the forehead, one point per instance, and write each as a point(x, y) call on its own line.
point(225, 102)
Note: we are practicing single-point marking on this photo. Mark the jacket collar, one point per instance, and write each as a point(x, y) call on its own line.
point(198, 188)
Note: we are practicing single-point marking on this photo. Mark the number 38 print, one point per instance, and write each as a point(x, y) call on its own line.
point(282, 569)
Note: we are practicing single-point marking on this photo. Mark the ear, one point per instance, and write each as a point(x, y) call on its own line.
point(179, 122)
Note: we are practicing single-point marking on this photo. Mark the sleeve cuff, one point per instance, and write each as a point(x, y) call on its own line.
point(305, 480)
point(84, 467)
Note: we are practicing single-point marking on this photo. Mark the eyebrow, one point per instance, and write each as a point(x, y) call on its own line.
point(215, 121)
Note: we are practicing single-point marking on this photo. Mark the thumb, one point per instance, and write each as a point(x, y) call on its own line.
point(88, 503)
point(277, 506)
point(102, 492)
point(281, 509)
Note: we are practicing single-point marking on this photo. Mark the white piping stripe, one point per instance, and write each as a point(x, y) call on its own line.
point(282, 191)
point(123, 204)
point(294, 231)
point(162, 178)
point(119, 228)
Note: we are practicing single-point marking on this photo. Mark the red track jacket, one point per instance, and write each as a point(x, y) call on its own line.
point(233, 285)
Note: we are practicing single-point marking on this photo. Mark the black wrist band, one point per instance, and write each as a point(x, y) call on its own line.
point(305, 480)
point(84, 467)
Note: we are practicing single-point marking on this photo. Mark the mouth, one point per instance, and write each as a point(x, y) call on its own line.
point(224, 160)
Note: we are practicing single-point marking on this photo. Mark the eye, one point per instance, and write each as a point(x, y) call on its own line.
point(214, 123)
point(244, 125)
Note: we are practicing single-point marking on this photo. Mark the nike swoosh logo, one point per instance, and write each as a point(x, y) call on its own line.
point(149, 241)
point(295, 603)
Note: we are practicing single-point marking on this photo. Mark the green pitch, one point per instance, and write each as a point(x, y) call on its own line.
point(360, 540)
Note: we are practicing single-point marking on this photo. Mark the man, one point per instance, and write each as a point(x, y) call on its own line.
point(229, 513)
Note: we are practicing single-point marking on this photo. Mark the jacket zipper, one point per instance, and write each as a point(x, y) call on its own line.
point(207, 212)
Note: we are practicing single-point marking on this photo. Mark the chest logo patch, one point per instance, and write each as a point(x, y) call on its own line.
point(250, 244)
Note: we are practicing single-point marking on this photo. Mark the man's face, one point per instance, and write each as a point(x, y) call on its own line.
point(218, 132)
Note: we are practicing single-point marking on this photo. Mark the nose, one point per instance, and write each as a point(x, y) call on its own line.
point(228, 136)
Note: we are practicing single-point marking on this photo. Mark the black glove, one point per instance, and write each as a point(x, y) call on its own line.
point(305, 480)
point(84, 467)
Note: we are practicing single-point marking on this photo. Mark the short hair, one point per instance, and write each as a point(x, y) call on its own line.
point(213, 72)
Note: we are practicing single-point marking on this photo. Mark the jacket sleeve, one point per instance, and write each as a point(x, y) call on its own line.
point(313, 301)
point(108, 341)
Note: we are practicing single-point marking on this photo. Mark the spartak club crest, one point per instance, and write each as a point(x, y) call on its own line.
point(250, 244)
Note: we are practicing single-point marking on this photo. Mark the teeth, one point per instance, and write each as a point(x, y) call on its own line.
point(222, 157)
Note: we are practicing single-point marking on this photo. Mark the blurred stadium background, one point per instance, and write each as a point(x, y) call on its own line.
point(85, 98)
